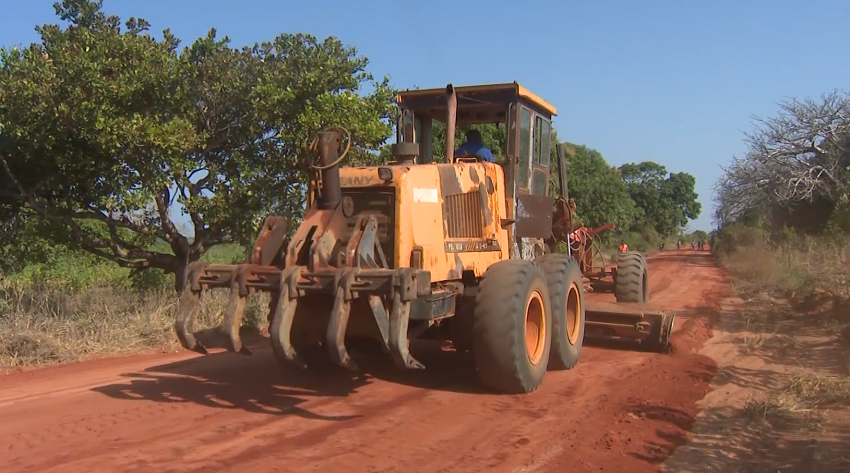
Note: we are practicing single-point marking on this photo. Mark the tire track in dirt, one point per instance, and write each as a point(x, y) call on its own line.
point(617, 409)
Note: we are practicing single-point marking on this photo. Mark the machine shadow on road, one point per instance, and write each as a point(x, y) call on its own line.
point(229, 381)
point(258, 384)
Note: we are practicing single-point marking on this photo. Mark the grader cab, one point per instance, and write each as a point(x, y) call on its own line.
point(416, 248)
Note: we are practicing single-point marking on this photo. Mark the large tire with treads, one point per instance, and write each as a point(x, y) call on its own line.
point(632, 281)
point(511, 326)
point(566, 299)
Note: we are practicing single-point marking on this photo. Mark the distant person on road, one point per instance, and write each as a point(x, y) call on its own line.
point(474, 146)
point(623, 246)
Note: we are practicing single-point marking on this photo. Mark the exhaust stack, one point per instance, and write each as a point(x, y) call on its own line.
point(451, 122)
point(331, 191)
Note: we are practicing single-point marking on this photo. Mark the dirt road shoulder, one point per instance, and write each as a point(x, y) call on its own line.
point(779, 402)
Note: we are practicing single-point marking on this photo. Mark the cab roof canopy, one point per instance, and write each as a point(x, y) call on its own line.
point(476, 104)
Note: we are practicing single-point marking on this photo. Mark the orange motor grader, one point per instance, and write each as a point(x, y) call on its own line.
point(413, 248)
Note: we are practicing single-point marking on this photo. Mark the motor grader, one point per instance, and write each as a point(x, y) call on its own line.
point(416, 248)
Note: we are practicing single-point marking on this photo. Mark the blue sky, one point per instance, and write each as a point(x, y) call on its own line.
point(672, 82)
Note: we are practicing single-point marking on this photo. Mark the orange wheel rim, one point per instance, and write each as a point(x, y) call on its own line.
point(573, 312)
point(535, 328)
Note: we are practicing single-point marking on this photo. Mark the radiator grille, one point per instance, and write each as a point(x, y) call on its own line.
point(464, 215)
point(378, 202)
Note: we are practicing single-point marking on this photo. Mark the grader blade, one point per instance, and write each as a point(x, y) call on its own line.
point(648, 326)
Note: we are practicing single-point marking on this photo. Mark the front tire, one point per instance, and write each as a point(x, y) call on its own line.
point(511, 327)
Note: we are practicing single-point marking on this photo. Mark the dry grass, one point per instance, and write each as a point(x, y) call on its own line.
point(803, 403)
point(44, 326)
point(800, 283)
point(792, 268)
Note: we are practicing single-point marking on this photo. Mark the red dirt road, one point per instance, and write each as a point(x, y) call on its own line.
point(618, 410)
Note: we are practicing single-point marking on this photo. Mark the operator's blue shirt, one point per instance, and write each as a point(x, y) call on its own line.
point(475, 149)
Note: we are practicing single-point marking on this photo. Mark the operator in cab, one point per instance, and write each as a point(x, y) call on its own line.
point(474, 146)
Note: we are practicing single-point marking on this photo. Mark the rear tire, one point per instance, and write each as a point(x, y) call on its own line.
point(511, 326)
point(566, 298)
point(632, 281)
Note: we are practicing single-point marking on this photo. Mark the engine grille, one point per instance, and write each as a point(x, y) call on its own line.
point(464, 215)
point(378, 202)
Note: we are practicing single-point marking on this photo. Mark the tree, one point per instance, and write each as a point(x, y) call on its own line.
point(800, 156)
point(601, 195)
point(664, 202)
point(105, 131)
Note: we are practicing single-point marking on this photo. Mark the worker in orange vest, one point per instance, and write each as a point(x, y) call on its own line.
point(623, 246)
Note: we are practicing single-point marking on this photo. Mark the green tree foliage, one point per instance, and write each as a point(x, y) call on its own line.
point(601, 195)
point(666, 202)
point(104, 130)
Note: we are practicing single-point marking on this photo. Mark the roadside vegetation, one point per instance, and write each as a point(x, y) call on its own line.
point(126, 155)
point(784, 237)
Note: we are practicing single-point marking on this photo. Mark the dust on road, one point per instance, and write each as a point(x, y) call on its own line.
point(618, 410)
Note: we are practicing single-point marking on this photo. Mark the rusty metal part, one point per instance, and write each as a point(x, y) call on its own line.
point(364, 249)
point(562, 221)
point(362, 271)
point(382, 319)
point(335, 337)
point(314, 146)
point(451, 121)
point(267, 246)
point(406, 151)
point(646, 325)
point(283, 314)
point(583, 242)
point(534, 216)
point(584, 245)
point(398, 343)
point(331, 190)
point(242, 280)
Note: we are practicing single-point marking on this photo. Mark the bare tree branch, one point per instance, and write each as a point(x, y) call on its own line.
point(798, 156)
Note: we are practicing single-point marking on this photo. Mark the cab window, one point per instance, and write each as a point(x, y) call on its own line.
point(542, 130)
point(540, 177)
point(524, 147)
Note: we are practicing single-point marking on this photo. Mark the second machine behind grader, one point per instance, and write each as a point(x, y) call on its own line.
point(417, 249)
point(630, 319)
